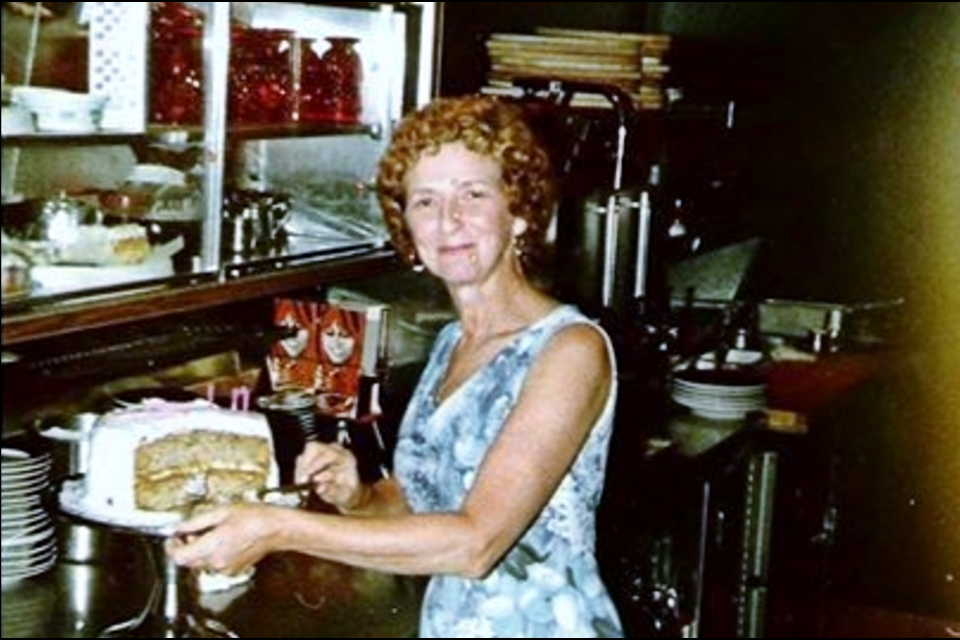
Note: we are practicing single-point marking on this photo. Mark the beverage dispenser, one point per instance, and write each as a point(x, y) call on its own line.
point(606, 224)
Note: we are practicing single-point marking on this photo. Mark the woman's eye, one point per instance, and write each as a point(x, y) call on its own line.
point(422, 203)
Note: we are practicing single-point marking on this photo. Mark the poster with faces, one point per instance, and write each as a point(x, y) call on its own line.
point(327, 352)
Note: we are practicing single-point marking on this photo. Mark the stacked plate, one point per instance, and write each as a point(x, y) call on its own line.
point(29, 546)
point(719, 394)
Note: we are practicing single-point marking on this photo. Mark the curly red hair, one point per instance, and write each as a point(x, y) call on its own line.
point(488, 126)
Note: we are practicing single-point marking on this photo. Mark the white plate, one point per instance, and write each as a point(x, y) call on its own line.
point(720, 389)
point(13, 575)
point(28, 520)
point(18, 544)
point(11, 455)
point(72, 501)
point(51, 279)
point(18, 460)
point(24, 517)
point(14, 505)
point(36, 480)
point(718, 414)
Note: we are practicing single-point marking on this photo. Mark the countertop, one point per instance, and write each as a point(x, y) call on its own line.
point(290, 596)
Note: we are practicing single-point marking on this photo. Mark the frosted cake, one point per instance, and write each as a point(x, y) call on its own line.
point(151, 464)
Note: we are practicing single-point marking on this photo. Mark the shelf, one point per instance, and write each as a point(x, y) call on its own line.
point(298, 130)
point(217, 152)
point(57, 319)
point(180, 137)
point(45, 138)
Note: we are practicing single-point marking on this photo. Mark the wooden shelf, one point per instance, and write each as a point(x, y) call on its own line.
point(62, 318)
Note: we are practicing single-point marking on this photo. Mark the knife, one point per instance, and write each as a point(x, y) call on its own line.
point(298, 487)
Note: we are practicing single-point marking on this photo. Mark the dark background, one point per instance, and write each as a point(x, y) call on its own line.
point(845, 159)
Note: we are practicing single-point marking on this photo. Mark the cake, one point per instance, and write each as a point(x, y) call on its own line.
point(157, 461)
point(121, 244)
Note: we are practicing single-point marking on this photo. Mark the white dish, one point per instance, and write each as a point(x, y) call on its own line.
point(51, 279)
point(73, 502)
point(61, 111)
point(11, 455)
point(15, 574)
point(16, 120)
point(22, 544)
point(14, 501)
point(719, 414)
point(159, 174)
point(16, 474)
point(28, 520)
point(21, 481)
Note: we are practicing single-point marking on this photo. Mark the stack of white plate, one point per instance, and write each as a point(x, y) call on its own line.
point(719, 394)
point(29, 546)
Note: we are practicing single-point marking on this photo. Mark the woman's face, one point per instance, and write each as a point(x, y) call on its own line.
point(458, 214)
point(295, 344)
point(338, 343)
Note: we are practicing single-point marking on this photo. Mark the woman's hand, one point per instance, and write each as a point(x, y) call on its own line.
point(229, 539)
point(333, 470)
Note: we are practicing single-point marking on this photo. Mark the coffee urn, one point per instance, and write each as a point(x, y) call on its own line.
point(607, 224)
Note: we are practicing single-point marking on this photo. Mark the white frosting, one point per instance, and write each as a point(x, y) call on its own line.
point(212, 581)
point(108, 486)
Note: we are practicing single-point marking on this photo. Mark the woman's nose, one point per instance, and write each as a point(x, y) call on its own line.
point(452, 212)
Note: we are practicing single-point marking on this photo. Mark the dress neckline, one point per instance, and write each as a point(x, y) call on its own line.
point(436, 399)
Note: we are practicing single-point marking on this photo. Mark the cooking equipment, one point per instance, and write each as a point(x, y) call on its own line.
point(254, 222)
point(59, 219)
point(605, 222)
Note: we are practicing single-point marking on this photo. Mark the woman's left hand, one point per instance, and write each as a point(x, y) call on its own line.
point(333, 470)
point(229, 539)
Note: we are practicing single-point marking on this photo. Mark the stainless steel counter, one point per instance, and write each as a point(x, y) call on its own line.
point(290, 596)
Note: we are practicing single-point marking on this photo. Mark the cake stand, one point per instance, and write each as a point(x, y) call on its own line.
point(167, 613)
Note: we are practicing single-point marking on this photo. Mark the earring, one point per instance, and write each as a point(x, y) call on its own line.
point(415, 263)
point(518, 245)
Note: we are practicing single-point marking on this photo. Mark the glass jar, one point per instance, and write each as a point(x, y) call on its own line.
point(342, 81)
point(261, 77)
point(311, 83)
point(176, 64)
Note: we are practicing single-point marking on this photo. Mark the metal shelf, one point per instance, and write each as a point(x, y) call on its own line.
point(65, 316)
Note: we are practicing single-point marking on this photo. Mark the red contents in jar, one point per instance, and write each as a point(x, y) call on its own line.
point(176, 64)
point(261, 77)
point(331, 85)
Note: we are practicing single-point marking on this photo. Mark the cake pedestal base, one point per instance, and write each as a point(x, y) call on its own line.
point(167, 613)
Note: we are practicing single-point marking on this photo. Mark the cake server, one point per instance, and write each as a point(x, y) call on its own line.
point(298, 487)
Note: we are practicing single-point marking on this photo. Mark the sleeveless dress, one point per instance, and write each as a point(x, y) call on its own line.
point(548, 585)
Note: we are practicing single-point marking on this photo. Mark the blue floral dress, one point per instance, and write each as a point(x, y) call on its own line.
point(548, 585)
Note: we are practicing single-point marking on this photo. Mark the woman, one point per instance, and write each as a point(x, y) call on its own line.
point(501, 454)
point(339, 333)
point(338, 371)
point(289, 363)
